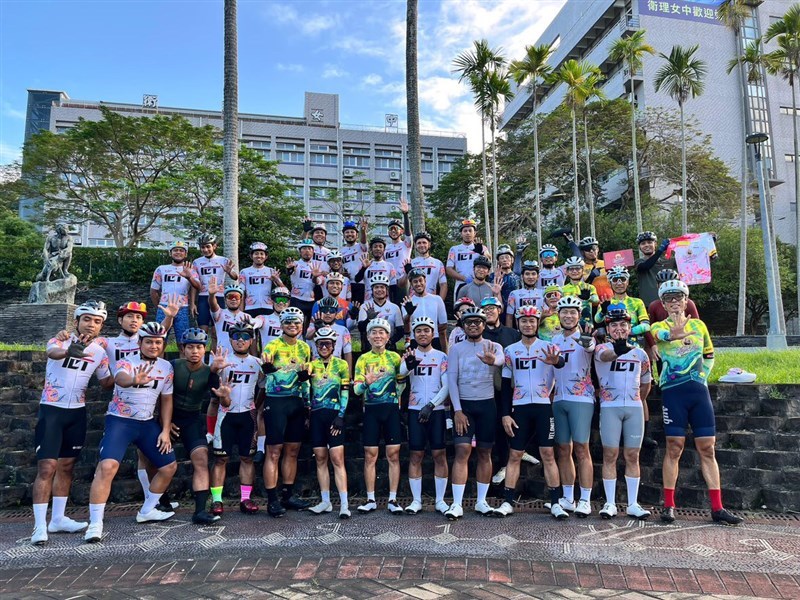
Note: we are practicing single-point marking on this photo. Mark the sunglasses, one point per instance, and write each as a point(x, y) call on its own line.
point(548, 254)
point(329, 311)
point(552, 295)
point(473, 322)
point(325, 344)
point(672, 298)
point(243, 337)
point(280, 300)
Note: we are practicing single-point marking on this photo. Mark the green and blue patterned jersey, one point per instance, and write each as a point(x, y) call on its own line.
point(385, 389)
point(687, 359)
point(288, 360)
point(640, 320)
point(330, 384)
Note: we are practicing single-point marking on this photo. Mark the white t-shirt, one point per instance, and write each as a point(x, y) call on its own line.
point(257, 285)
point(168, 280)
point(554, 276)
point(620, 378)
point(389, 311)
point(302, 281)
point(524, 297)
point(461, 257)
point(396, 253)
point(66, 379)
point(434, 269)
point(120, 348)
point(533, 379)
point(429, 305)
point(321, 256)
point(271, 328)
point(345, 294)
point(428, 379)
point(343, 343)
point(138, 401)
point(242, 375)
point(574, 379)
point(378, 266)
point(206, 268)
point(351, 258)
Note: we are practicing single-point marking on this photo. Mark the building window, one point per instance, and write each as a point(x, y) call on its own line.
point(292, 157)
point(789, 158)
point(288, 146)
point(358, 151)
point(787, 110)
point(323, 159)
point(322, 148)
point(355, 161)
point(101, 242)
point(387, 163)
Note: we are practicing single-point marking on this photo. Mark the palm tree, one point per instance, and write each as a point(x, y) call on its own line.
point(577, 77)
point(592, 90)
point(631, 51)
point(412, 102)
point(230, 129)
point(498, 91)
point(474, 67)
point(786, 62)
point(682, 78)
point(532, 68)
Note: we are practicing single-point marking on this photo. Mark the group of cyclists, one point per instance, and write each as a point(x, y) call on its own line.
point(536, 347)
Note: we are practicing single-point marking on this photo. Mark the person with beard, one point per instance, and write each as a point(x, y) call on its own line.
point(174, 281)
point(424, 304)
point(305, 275)
point(435, 275)
point(529, 294)
point(398, 250)
point(208, 266)
point(355, 245)
point(335, 269)
point(319, 235)
point(503, 274)
point(380, 307)
point(651, 261)
point(257, 281)
point(479, 288)
point(549, 274)
point(461, 258)
point(374, 264)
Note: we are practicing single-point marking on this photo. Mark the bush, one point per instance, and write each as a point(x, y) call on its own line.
point(131, 265)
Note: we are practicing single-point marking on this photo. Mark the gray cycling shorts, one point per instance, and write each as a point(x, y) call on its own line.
point(573, 421)
point(625, 422)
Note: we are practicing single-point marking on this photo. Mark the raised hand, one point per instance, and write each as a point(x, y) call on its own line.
point(369, 308)
point(366, 260)
point(213, 287)
point(220, 361)
point(409, 305)
point(371, 376)
point(223, 392)
point(497, 286)
point(403, 205)
point(173, 306)
point(276, 276)
point(487, 356)
point(62, 336)
point(679, 320)
point(552, 354)
point(363, 222)
point(141, 375)
point(77, 348)
point(290, 264)
point(228, 268)
point(316, 269)
point(522, 242)
point(186, 271)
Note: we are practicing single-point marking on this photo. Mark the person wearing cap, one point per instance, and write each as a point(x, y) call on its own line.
point(61, 425)
point(335, 266)
point(651, 260)
point(355, 245)
point(305, 274)
point(206, 266)
point(549, 323)
point(398, 250)
point(378, 379)
point(423, 304)
point(688, 357)
point(319, 235)
point(173, 281)
point(504, 273)
point(460, 258)
point(479, 288)
point(435, 275)
point(549, 274)
point(528, 295)
point(380, 307)
point(257, 282)
point(457, 334)
point(374, 263)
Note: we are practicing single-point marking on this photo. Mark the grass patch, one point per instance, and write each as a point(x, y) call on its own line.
point(775, 366)
point(17, 347)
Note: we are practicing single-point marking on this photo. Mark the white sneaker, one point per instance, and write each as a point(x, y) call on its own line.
point(66, 525)
point(393, 507)
point(322, 507)
point(504, 510)
point(153, 515)
point(39, 536)
point(368, 506)
point(500, 476)
point(558, 512)
point(442, 506)
point(94, 533)
point(608, 511)
point(414, 507)
point(483, 508)
point(454, 512)
point(344, 512)
point(636, 511)
point(530, 459)
point(567, 505)
point(584, 509)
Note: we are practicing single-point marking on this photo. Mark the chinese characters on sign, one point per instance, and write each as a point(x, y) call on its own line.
point(690, 10)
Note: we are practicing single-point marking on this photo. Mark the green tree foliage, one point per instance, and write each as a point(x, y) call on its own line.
point(454, 200)
point(21, 242)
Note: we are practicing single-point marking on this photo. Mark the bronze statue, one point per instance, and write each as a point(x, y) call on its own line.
point(57, 255)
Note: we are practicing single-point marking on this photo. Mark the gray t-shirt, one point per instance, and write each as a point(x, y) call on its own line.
point(648, 286)
point(476, 292)
point(468, 377)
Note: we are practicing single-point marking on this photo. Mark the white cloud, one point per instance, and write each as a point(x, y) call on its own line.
point(9, 153)
point(372, 79)
point(333, 72)
point(292, 67)
point(307, 24)
point(10, 111)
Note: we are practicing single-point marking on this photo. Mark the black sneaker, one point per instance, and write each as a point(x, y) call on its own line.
point(203, 518)
point(725, 517)
point(668, 515)
point(295, 503)
point(275, 509)
point(258, 457)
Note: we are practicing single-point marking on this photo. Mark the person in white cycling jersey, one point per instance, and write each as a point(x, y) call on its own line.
point(257, 281)
point(422, 303)
point(209, 265)
point(233, 313)
point(528, 295)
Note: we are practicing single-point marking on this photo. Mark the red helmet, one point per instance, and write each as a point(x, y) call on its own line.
point(132, 307)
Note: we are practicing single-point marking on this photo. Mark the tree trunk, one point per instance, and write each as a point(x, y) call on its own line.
point(589, 190)
point(230, 127)
point(536, 172)
point(742, 300)
point(495, 238)
point(485, 185)
point(412, 101)
point(796, 191)
point(577, 232)
point(637, 200)
point(684, 203)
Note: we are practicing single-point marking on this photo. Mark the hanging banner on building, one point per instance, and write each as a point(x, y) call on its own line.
point(704, 11)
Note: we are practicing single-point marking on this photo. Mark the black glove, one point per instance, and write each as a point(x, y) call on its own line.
point(410, 307)
point(411, 362)
point(76, 350)
point(425, 412)
point(604, 306)
point(338, 423)
point(268, 368)
point(303, 375)
point(407, 268)
point(479, 249)
point(371, 313)
point(353, 312)
point(664, 245)
point(318, 324)
point(585, 294)
point(307, 226)
point(621, 347)
point(413, 344)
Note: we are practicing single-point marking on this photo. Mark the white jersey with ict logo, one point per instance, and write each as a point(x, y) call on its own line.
point(351, 258)
point(525, 297)
point(342, 346)
point(378, 266)
point(533, 379)
point(206, 268)
point(138, 401)
point(574, 379)
point(389, 311)
point(345, 294)
point(302, 281)
point(120, 348)
point(434, 271)
point(321, 256)
point(168, 280)
point(257, 285)
point(224, 319)
point(428, 380)
point(242, 375)
point(396, 253)
point(620, 378)
point(431, 306)
point(271, 328)
point(554, 276)
point(461, 258)
point(66, 379)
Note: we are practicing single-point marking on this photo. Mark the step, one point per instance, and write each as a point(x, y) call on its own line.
point(748, 440)
point(787, 441)
point(781, 499)
point(772, 424)
point(775, 459)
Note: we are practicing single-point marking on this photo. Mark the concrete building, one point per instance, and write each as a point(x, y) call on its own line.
point(585, 30)
point(315, 152)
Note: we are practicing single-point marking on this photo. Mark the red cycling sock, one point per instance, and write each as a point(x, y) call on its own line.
point(211, 424)
point(669, 498)
point(716, 499)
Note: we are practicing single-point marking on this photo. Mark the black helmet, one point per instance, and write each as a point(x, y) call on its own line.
point(329, 302)
point(588, 242)
point(206, 238)
point(377, 240)
point(645, 236)
point(195, 335)
point(617, 312)
point(482, 261)
point(241, 327)
point(416, 272)
point(423, 235)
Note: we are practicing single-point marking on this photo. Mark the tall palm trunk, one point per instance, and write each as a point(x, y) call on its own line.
point(637, 198)
point(589, 190)
point(577, 232)
point(684, 203)
point(485, 185)
point(230, 127)
point(412, 101)
point(796, 192)
point(495, 237)
point(742, 300)
point(536, 172)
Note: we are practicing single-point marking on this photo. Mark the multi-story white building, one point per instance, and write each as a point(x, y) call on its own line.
point(585, 30)
point(315, 151)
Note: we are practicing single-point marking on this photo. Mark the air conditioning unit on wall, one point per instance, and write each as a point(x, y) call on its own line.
point(347, 172)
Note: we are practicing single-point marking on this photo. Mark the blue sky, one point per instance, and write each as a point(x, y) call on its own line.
point(117, 50)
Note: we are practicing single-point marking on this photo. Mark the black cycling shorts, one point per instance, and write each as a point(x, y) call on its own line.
point(381, 421)
point(533, 420)
point(321, 436)
point(482, 417)
point(60, 432)
point(237, 429)
point(421, 435)
point(284, 420)
point(688, 404)
point(192, 429)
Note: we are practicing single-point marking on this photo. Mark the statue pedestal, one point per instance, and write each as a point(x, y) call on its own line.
point(60, 291)
point(35, 323)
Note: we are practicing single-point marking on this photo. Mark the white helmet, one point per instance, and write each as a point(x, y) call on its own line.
point(333, 255)
point(92, 307)
point(672, 287)
point(570, 302)
point(152, 329)
point(292, 314)
point(379, 323)
point(334, 276)
point(574, 261)
point(422, 321)
point(473, 311)
point(378, 279)
point(326, 333)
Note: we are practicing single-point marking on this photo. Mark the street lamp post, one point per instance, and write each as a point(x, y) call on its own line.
point(776, 337)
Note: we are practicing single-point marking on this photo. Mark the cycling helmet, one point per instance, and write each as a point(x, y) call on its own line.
point(553, 289)
point(420, 321)
point(233, 288)
point(178, 244)
point(377, 240)
point(279, 292)
point(378, 279)
point(416, 272)
point(530, 265)
point(195, 335)
point(241, 327)
point(292, 314)
point(570, 302)
point(349, 225)
point(258, 246)
point(482, 261)
point(326, 334)
point(618, 272)
point(617, 312)
point(305, 244)
point(333, 255)
point(334, 276)
point(528, 311)
point(645, 236)
point(473, 311)
point(206, 238)
point(329, 302)
point(94, 308)
point(574, 261)
point(504, 249)
point(672, 287)
point(667, 275)
point(319, 227)
point(378, 323)
point(465, 301)
point(492, 301)
point(548, 248)
point(588, 242)
point(468, 223)
point(132, 307)
point(396, 223)
point(423, 235)
point(152, 329)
